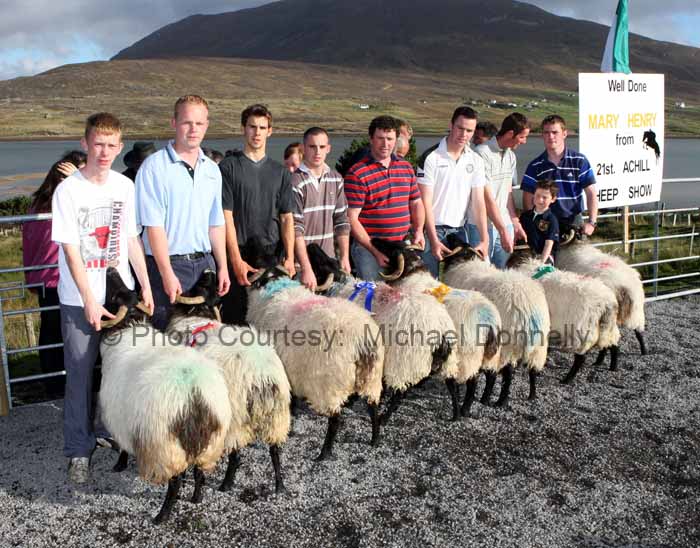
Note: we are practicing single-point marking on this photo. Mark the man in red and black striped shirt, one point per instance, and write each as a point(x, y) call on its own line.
point(383, 199)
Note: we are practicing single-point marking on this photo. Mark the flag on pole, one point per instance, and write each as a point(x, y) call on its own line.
point(616, 57)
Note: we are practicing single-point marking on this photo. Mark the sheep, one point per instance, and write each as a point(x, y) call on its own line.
point(168, 408)
point(578, 256)
point(582, 310)
point(475, 317)
point(523, 308)
point(429, 329)
point(340, 355)
point(258, 388)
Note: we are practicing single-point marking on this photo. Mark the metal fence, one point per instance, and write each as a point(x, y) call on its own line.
point(17, 290)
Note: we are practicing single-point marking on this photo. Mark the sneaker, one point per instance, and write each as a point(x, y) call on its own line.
point(79, 470)
point(107, 443)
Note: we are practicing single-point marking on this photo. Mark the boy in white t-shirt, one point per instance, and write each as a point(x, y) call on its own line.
point(94, 224)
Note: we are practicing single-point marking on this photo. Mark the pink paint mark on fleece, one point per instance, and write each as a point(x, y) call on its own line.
point(308, 304)
point(604, 264)
point(388, 295)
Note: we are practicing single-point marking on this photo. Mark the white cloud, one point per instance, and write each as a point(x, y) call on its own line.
point(58, 32)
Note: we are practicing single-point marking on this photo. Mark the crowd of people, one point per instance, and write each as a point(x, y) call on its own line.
point(181, 210)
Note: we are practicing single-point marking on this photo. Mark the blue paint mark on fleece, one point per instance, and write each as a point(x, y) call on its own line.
point(535, 334)
point(486, 316)
point(277, 286)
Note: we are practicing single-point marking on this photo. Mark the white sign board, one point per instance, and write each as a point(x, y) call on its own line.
point(621, 132)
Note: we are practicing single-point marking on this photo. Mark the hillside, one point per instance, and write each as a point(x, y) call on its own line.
point(55, 104)
point(316, 61)
point(495, 38)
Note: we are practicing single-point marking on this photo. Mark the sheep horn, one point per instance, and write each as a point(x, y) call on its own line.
point(397, 274)
point(283, 270)
point(453, 252)
point(521, 247)
point(478, 253)
point(145, 309)
point(568, 238)
point(414, 247)
point(326, 284)
point(255, 276)
point(217, 314)
point(119, 316)
point(189, 300)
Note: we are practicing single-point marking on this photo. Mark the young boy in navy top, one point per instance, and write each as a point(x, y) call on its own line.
point(540, 224)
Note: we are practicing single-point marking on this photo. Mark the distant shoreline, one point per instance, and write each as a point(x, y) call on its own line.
point(216, 136)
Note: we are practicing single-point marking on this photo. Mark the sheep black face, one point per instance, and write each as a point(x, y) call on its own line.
point(326, 269)
point(460, 252)
point(403, 259)
point(202, 300)
point(122, 302)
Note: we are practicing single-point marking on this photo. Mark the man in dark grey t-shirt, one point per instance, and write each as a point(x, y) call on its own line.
point(258, 204)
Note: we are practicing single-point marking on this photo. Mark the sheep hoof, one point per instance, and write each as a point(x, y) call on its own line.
point(324, 456)
point(121, 463)
point(531, 397)
point(280, 489)
point(196, 498)
point(225, 487)
point(501, 404)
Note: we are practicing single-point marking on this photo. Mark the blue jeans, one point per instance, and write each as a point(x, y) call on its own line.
point(365, 264)
point(442, 232)
point(497, 255)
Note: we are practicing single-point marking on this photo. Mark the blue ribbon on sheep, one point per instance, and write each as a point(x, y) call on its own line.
point(369, 297)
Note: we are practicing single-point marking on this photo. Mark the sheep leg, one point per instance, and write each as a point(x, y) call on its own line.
point(294, 407)
point(533, 388)
point(234, 460)
point(614, 354)
point(640, 340)
point(469, 396)
point(453, 389)
point(488, 389)
point(327, 449)
point(170, 497)
point(122, 462)
point(601, 357)
point(579, 360)
point(376, 423)
point(392, 406)
point(275, 456)
point(198, 484)
point(507, 374)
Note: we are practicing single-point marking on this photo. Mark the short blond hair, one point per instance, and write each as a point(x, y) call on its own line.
point(104, 123)
point(190, 100)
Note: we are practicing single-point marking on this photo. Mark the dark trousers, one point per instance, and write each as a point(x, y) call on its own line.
point(187, 271)
point(234, 305)
point(81, 347)
point(51, 359)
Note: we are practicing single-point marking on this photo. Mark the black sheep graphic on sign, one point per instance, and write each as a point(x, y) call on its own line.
point(649, 140)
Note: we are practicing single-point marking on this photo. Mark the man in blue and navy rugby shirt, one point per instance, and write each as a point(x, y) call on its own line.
point(572, 173)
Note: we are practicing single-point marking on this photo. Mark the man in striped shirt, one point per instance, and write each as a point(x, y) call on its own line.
point(383, 199)
point(320, 214)
point(572, 173)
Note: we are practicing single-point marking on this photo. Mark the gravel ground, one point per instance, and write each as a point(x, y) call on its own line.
point(611, 461)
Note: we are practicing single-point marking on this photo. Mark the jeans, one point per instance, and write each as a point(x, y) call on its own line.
point(497, 255)
point(364, 262)
point(81, 347)
point(443, 231)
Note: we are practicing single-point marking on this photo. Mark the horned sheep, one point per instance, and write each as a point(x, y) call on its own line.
point(168, 409)
point(523, 308)
point(258, 388)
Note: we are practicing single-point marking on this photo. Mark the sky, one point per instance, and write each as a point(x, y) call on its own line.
point(39, 35)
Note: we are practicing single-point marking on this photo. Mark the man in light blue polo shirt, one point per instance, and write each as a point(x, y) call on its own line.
point(178, 202)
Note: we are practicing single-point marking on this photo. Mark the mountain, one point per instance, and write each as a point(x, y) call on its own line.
point(480, 38)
